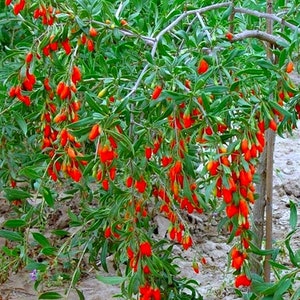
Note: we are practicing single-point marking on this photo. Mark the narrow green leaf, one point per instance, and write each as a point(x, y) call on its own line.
point(80, 294)
point(14, 223)
point(282, 287)
point(250, 71)
point(278, 265)
point(49, 251)
point(123, 139)
point(21, 122)
point(104, 255)
point(258, 251)
point(293, 215)
point(279, 108)
point(11, 235)
point(114, 280)
point(41, 239)
point(60, 233)
point(293, 258)
point(296, 295)
point(50, 295)
point(30, 173)
point(226, 13)
point(48, 197)
point(36, 266)
point(13, 194)
point(93, 104)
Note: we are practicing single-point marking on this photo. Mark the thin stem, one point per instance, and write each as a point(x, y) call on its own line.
point(268, 16)
point(77, 267)
point(261, 35)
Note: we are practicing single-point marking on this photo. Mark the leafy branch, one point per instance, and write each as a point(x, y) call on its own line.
point(153, 41)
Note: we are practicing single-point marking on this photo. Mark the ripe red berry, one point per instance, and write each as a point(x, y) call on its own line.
point(66, 45)
point(90, 45)
point(105, 184)
point(148, 152)
point(244, 145)
point(156, 92)
point(145, 249)
point(229, 36)
point(242, 280)
point(203, 66)
point(28, 58)
point(93, 32)
point(107, 232)
point(95, 131)
point(76, 75)
point(289, 67)
point(129, 181)
point(273, 125)
point(123, 22)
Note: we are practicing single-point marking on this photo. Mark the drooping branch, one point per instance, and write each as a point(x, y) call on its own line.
point(147, 39)
point(261, 35)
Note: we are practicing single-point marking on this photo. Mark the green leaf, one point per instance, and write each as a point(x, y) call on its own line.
point(104, 255)
point(282, 287)
point(293, 258)
point(93, 104)
point(11, 235)
point(21, 122)
point(48, 197)
point(41, 239)
point(80, 294)
point(60, 233)
point(258, 251)
point(250, 71)
point(296, 295)
point(123, 139)
point(30, 173)
point(50, 295)
point(266, 64)
point(14, 194)
point(14, 223)
point(278, 265)
point(226, 13)
point(276, 106)
point(293, 215)
point(49, 251)
point(113, 280)
point(36, 266)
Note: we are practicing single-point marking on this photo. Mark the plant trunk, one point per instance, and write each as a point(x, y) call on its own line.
point(270, 137)
point(259, 213)
point(263, 208)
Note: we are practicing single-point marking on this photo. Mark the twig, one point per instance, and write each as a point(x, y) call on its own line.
point(204, 26)
point(147, 39)
point(184, 15)
point(117, 14)
point(231, 18)
point(261, 35)
point(266, 16)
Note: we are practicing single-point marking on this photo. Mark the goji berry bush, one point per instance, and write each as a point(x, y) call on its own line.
point(139, 108)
